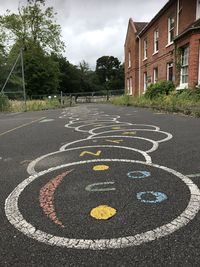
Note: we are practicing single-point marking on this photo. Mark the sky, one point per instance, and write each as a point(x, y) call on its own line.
point(95, 28)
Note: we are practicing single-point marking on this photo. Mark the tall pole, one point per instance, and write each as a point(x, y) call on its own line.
point(23, 80)
point(2, 90)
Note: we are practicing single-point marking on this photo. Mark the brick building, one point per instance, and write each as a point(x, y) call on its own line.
point(166, 48)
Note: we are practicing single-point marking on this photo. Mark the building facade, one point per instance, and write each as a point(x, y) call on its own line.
point(166, 48)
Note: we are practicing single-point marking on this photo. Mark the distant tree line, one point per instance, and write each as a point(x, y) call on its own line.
point(34, 29)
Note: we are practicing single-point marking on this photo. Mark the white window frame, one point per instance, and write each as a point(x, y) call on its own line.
point(155, 75)
point(198, 9)
point(130, 86)
point(129, 59)
point(145, 48)
point(184, 66)
point(199, 67)
point(155, 38)
point(170, 30)
point(145, 81)
point(169, 65)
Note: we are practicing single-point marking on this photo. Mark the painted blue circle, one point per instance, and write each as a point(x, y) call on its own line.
point(158, 197)
point(138, 174)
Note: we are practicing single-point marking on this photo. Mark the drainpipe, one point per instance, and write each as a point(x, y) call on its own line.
point(177, 17)
point(139, 65)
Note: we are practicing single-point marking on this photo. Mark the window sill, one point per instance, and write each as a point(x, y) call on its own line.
point(169, 44)
point(155, 53)
point(145, 59)
point(182, 86)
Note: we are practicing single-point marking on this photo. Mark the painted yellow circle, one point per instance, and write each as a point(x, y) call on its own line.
point(100, 168)
point(103, 212)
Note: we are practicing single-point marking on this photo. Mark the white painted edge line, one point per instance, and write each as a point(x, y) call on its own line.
point(117, 123)
point(31, 167)
point(154, 147)
point(15, 217)
point(97, 128)
point(169, 136)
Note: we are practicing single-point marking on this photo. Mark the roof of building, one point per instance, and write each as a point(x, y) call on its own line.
point(140, 26)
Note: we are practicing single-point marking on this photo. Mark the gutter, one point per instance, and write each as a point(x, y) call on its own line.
point(139, 65)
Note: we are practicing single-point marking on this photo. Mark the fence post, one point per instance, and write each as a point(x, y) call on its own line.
point(61, 99)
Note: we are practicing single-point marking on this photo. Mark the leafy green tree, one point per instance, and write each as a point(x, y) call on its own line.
point(42, 72)
point(34, 23)
point(35, 30)
point(110, 72)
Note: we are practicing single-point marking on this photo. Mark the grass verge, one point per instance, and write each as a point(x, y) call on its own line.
point(31, 105)
point(187, 102)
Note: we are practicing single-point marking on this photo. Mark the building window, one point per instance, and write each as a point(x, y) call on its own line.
point(145, 81)
point(128, 86)
point(170, 71)
point(129, 59)
point(155, 75)
point(198, 10)
point(131, 86)
point(184, 66)
point(170, 30)
point(155, 41)
point(145, 48)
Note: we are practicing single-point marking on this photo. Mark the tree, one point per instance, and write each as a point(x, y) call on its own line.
point(35, 30)
point(33, 24)
point(109, 71)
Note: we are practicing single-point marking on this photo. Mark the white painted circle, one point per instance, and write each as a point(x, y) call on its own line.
point(31, 167)
point(17, 220)
point(154, 143)
point(169, 136)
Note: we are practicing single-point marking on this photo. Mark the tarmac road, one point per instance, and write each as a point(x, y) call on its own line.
point(99, 185)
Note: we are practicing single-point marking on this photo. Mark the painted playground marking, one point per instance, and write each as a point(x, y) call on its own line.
point(46, 120)
point(103, 212)
point(31, 167)
point(168, 135)
point(154, 143)
point(193, 175)
point(19, 222)
point(158, 197)
point(77, 121)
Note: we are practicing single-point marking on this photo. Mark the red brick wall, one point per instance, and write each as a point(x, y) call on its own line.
point(187, 14)
point(131, 45)
point(165, 54)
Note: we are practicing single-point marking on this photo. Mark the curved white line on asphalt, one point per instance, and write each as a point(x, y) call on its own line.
point(69, 125)
point(117, 123)
point(154, 147)
point(31, 167)
point(97, 128)
point(15, 217)
point(169, 136)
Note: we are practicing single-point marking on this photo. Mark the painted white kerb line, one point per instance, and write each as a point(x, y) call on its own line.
point(18, 221)
point(31, 167)
point(154, 147)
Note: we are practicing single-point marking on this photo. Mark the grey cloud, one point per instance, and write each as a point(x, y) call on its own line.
point(93, 28)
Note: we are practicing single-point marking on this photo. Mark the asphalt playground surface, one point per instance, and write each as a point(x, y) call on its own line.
point(99, 185)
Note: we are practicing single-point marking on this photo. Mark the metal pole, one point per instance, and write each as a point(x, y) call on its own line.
point(23, 80)
point(10, 73)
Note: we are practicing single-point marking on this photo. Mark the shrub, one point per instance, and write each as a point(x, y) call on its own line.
point(160, 88)
point(4, 102)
